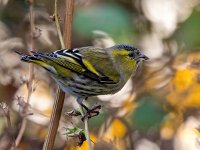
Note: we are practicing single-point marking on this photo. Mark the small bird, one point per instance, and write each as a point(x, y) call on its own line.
point(89, 71)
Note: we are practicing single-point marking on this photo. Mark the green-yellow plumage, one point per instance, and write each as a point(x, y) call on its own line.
point(89, 71)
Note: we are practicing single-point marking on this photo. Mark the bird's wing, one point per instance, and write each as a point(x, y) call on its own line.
point(59, 61)
point(98, 61)
point(83, 61)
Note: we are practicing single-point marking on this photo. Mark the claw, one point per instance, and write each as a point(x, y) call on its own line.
point(91, 112)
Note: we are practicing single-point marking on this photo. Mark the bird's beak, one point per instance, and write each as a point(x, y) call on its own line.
point(142, 56)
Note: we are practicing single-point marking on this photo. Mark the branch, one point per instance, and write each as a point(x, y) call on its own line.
point(68, 23)
point(6, 112)
point(31, 70)
point(54, 120)
point(58, 24)
point(10, 127)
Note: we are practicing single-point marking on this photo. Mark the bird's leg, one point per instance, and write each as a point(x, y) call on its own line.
point(94, 111)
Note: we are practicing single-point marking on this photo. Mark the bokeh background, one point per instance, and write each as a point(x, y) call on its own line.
point(158, 109)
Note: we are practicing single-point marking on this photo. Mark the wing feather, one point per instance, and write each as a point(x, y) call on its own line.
point(101, 61)
point(94, 63)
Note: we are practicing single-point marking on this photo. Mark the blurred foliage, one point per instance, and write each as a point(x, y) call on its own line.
point(185, 87)
point(110, 18)
point(188, 33)
point(159, 108)
point(148, 115)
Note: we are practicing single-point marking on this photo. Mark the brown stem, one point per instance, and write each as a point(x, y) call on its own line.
point(10, 127)
point(68, 23)
point(4, 107)
point(54, 121)
point(31, 71)
point(58, 104)
point(58, 25)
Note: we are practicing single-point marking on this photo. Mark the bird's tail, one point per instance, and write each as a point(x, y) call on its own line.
point(36, 58)
point(28, 58)
point(39, 59)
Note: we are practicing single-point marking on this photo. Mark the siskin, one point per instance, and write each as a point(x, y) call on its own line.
point(89, 71)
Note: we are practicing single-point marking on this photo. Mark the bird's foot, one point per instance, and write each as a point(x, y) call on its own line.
point(91, 112)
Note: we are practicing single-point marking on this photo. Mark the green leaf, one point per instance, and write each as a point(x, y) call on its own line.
point(73, 131)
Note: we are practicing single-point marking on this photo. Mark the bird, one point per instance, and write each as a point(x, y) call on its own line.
point(89, 71)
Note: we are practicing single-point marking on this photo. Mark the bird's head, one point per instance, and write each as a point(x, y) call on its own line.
point(128, 51)
point(127, 58)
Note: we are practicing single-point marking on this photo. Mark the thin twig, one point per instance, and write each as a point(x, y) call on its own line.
point(6, 111)
point(10, 127)
point(31, 70)
point(58, 25)
point(87, 135)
